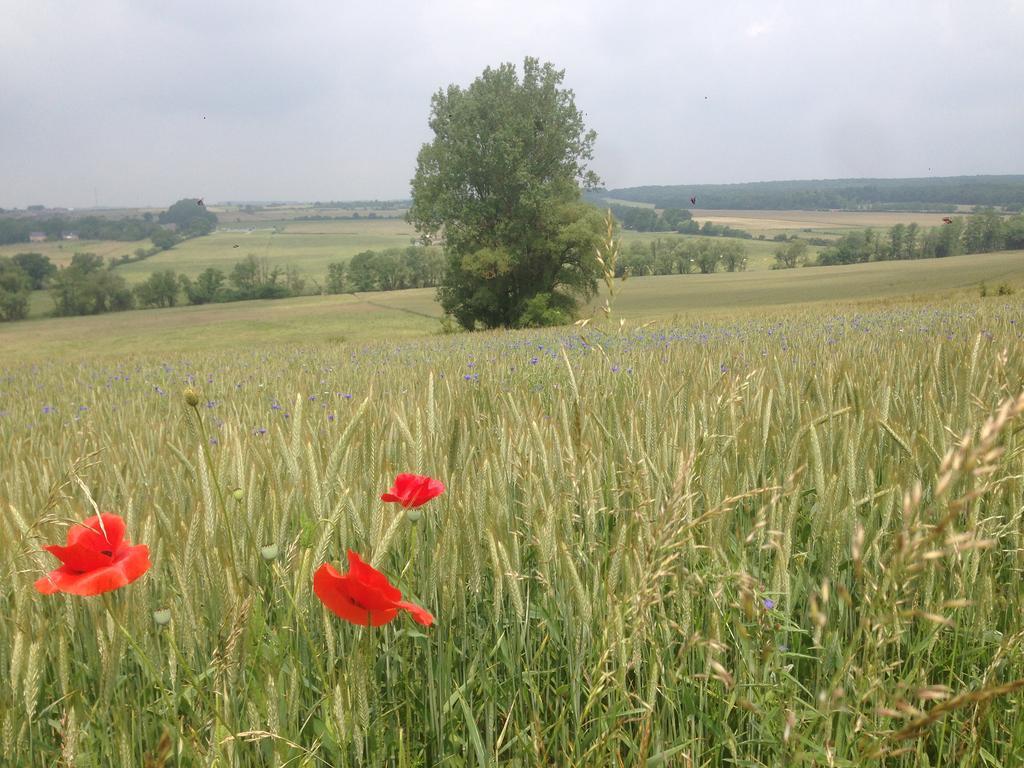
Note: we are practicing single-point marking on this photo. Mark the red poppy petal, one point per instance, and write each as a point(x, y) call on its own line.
point(419, 615)
point(90, 533)
point(406, 482)
point(369, 586)
point(332, 589)
point(130, 566)
point(380, 618)
point(46, 585)
point(429, 489)
point(79, 557)
point(389, 497)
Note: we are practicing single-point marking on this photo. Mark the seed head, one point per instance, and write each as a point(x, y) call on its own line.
point(191, 397)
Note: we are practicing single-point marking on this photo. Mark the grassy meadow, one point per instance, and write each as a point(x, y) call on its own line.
point(773, 518)
point(787, 537)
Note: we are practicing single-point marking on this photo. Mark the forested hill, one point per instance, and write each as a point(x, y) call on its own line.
point(938, 194)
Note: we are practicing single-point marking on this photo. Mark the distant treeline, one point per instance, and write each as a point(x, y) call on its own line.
point(388, 270)
point(980, 233)
point(17, 230)
point(89, 286)
point(935, 194)
point(680, 257)
point(188, 217)
point(643, 219)
point(377, 205)
point(354, 215)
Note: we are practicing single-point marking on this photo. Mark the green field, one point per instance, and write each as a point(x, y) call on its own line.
point(331, 319)
point(308, 246)
point(60, 252)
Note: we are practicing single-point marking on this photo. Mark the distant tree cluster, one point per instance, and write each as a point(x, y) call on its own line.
point(250, 278)
point(795, 253)
point(189, 218)
point(937, 194)
point(15, 289)
point(17, 230)
point(355, 215)
point(88, 286)
point(388, 270)
point(644, 219)
point(372, 205)
point(982, 232)
point(681, 257)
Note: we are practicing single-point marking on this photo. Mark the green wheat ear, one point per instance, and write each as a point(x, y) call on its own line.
point(607, 257)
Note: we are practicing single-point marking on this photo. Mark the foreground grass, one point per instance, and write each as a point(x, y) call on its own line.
point(784, 542)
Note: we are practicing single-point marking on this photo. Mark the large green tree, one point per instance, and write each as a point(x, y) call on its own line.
point(501, 182)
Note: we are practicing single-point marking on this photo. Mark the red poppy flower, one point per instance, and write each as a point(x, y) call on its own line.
point(413, 490)
point(363, 595)
point(96, 559)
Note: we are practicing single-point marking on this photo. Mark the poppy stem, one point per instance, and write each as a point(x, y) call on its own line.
point(412, 553)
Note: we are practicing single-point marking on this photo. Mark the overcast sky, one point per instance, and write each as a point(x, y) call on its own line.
point(142, 103)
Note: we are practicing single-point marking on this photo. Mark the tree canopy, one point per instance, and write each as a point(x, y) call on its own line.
point(501, 181)
point(190, 217)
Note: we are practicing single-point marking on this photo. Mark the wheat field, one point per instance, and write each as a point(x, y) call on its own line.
point(793, 541)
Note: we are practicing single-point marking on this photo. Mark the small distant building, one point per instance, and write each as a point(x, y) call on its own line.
point(36, 237)
point(70, 235)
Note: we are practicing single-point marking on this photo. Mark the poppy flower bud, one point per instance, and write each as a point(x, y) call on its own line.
point(162, 617)
point(269, 552)
point(413, 515)
point(191, 397)
point(237, 493)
